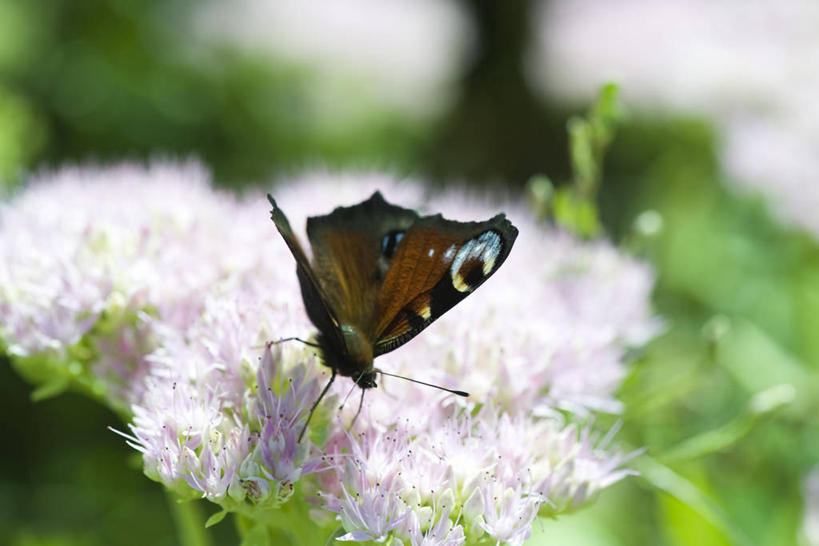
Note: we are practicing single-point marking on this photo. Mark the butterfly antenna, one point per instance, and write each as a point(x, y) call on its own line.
point(453, 391)
point(315, 405)
point(308, 343)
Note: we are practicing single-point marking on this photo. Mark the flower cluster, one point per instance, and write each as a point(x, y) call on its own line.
point(457, 475)
point(110, 253)
point(194, 296)
point(209, 431)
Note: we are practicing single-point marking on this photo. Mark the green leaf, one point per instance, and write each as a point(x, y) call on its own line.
point(575, 213)
point(758, 362)
point(50, 389)
point(582, 156)
point(723, 437)
point(683, 490)
point(606, 114)
point(216, 518)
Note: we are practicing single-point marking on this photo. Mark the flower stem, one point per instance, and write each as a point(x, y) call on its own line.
point(189, 520)
point(290, 523)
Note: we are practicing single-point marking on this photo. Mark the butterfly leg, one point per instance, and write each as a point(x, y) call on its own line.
point(308, 343)
point(316, 403)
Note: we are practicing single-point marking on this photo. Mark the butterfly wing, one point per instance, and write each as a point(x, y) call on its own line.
point(436, 265)
point(352, 251)
point(315, 299)
point(389, 272)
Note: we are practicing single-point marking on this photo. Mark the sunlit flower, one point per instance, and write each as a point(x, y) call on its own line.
point(221, 437)
point(113, 252)
point(496, 471)
point(218, 410)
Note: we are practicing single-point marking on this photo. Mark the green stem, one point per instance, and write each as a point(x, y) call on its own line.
point(189, 520)
point(290, 523)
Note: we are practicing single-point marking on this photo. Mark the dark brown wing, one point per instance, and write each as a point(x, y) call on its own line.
point(352, 251)
point(315, 299)
point(437, 264)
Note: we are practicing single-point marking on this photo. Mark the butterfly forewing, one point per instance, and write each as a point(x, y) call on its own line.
point(436, 265)
point(352, 250)
point(315, 299)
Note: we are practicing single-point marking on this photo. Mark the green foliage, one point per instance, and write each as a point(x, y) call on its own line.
point(21, 135)
point(101, 80)
point(574, 206)
point(590, 136)
point(723, 402)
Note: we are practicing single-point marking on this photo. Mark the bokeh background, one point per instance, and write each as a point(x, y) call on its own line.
point(713, 177)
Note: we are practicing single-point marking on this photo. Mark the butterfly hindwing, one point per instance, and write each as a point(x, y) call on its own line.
point(437, 264)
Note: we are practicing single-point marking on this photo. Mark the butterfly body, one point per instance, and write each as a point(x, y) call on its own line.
point(352, 358)
point(380, 274)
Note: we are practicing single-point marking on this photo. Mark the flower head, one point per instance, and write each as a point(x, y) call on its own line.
point(108, 255)
point(217, 409)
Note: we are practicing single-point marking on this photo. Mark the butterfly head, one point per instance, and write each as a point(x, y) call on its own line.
point(366, 379)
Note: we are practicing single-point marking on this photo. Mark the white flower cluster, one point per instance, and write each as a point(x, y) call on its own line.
point(491, 473)
point(217, 411)
point(751, 67)
point(120, 250)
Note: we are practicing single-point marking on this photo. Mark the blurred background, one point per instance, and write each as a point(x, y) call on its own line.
point(713, 177)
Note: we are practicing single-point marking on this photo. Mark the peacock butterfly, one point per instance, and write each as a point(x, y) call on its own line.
point(380, 274)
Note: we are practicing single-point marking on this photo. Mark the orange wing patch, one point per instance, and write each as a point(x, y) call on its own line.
point(411, 319)
point(422, 271)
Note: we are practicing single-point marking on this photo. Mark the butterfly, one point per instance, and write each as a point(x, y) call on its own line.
point(381, 274)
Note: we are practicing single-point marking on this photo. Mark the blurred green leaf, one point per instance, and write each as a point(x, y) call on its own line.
point(590, 137)
point(582, 155)
point(51, 388)
point(216, 518)
point(689, 495)
point(575, 213)
point(727, 435)
point(22, 135)
point(574, 206)
point(758, 362)
point(607, 114)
